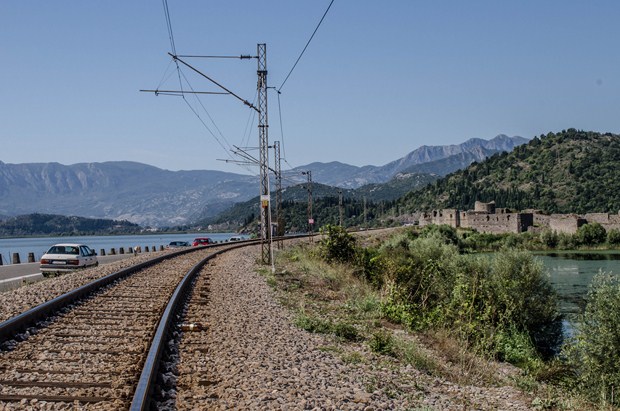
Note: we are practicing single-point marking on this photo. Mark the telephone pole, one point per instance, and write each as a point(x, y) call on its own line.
point(340, 208)
point(309, 188)
point(365, 216)
point(279, 214)
point(263, 125)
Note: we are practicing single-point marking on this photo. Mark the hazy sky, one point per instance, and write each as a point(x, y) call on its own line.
point(379, 80)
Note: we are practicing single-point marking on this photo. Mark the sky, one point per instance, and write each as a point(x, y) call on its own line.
point(378, 80)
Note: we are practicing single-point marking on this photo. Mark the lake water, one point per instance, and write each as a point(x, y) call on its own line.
point(39, 246)
point(571, 274)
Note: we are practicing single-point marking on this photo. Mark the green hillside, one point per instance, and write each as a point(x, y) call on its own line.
point(49, 224)
point(568, 172)
point(326, 210)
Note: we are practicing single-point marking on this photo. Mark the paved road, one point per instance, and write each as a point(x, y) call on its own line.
point(16, 271)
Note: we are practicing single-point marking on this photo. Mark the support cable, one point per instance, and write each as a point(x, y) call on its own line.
point(247, 103)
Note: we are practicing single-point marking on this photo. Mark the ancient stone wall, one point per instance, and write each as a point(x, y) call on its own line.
point(608, 221)
point(497, 223)
point(489, 219)
point(565, 223)
point(449, 216)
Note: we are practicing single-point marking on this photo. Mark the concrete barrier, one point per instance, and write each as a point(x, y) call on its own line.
point(16, 258)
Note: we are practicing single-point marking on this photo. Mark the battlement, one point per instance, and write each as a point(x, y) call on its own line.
point(486, 218)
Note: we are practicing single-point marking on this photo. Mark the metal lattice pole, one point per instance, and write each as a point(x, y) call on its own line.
point(263, 125)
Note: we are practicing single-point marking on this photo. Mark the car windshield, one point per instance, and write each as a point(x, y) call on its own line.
point(62, 249)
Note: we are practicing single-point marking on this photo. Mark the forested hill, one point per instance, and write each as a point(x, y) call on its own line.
point(49, 224)
point(568, 172)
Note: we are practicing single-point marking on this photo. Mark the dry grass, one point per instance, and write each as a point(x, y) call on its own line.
point(326, 298)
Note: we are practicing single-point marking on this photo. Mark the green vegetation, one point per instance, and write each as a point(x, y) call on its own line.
point(569, 172)
point(470, 308)
point(326, 209)
point(588, 236)
point(594, 353)
point(57, 225)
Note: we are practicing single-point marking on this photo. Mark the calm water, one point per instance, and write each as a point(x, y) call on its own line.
point(39, 246)
point(571, 274)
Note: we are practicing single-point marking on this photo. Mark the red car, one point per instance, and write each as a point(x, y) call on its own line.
point(202, 241)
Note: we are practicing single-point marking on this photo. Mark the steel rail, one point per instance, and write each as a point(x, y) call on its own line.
point(10, 328)
point(148, 378)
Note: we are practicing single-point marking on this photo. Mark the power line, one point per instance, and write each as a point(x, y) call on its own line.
point(169, 26)
point(307, 44)
point(171, 36)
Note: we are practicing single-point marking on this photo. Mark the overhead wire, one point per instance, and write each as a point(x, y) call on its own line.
point(278, 90)
point(307, 44)
point(221, 140)
point(251, 118)
point(172, 44)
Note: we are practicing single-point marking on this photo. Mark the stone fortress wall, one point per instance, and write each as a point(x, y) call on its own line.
point(486, 218)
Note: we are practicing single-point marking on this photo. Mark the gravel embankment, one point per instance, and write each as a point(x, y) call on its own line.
point(257, 360)
point(17, 301)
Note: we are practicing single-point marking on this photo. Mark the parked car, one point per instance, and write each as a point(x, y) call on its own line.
point(68, 257)
point(202, 241)
point(235, 238)
point(178, 244)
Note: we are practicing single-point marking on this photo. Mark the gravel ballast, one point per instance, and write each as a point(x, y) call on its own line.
point(258, 360)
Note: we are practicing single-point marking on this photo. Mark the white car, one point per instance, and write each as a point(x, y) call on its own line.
point(68, 257)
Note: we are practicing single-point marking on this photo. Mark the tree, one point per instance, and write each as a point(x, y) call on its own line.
point(591, 234)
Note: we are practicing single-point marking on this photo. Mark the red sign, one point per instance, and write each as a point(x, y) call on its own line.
point(311, 221)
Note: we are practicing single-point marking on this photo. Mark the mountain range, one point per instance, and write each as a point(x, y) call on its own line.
point(573, 171)
point(148, 195)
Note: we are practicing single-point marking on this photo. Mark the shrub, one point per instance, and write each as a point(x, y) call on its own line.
point(591, 234)
point(312, 324)
point(522, 298)
point(369, 266)
point(566, 241)
point(446, 232)
point(336, 244)
point(345, 331)
point(549, 238)
point(613, 236)
point(382, 342)
point(421, 278)
point(594, 353)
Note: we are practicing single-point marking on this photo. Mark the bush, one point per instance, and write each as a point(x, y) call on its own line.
point(566, 241)
point(591, 234)
point(594, 353)
point(430, 285)
point(522, 298)
point(420, 279)
point(444, 231)
point(336, 244)
point(613, 236)
point(549, 238)
point(382, 342)
point(370, 266)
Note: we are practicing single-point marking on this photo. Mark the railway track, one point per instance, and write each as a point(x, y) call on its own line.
point(101, 348)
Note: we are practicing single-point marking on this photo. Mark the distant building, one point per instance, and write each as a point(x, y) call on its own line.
point(486, 218)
